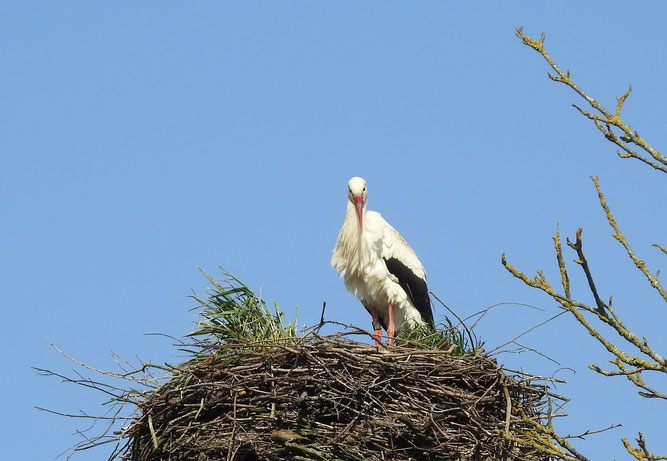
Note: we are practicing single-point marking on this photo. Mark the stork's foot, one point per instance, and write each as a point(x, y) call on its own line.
point(377, 335)
point(377, 326)
point(391, 329)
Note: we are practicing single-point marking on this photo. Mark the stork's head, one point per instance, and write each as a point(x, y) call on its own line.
point(356, 194)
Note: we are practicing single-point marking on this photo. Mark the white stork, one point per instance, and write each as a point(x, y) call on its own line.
point(380, 268)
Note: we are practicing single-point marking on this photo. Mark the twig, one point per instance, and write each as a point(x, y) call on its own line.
point(508, 409)
point(461, 322)
point(607, 119)
point(156, 445)
point(230, 452)
point(525, 332)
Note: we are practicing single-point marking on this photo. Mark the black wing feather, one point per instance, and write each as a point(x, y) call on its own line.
point(414, 286)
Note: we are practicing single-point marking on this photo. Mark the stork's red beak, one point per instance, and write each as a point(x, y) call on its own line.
point(360, 208)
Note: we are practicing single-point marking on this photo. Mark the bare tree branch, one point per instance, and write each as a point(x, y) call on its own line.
point(641, 265)
point(606, 119)
point(642, 452)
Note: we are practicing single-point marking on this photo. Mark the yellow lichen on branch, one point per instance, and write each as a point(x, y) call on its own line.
point(604, 120)
point(618, 235)
point(641, 453)
point(565, 280)
point(644, 358)
point(604, 312)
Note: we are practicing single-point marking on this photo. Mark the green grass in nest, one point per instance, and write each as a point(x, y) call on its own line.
point(232, 313)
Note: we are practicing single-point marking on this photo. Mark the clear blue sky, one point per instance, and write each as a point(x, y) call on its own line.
point(140, 140)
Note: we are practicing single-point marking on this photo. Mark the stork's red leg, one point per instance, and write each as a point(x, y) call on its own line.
point(376, 325)
point(391, 328)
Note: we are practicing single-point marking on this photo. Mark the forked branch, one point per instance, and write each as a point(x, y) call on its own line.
point(641, 265)
point(605, 120)
point(641, 452)
point(630, 365)
point(632, 145)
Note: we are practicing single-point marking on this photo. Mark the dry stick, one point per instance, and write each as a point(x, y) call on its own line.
point(324, 306)
point(70, 415)
point(457, 318)
point(488, 309)
point(153, 436)
point(98, 386)
point(592, 431)
point(525, 332)
point(230, 453)
point(583, 262)
point(201, 407)
point(535, 351)
point(508, 408)
point(127, 375)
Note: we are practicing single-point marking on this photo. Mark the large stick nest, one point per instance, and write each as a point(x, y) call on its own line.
point(328, 398)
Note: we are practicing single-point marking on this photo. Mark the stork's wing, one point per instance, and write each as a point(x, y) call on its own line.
point(402, 263)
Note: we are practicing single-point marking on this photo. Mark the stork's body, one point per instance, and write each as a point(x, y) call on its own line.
point(380, 268)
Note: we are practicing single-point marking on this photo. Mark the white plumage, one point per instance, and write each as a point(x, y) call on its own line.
point(380, 268)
